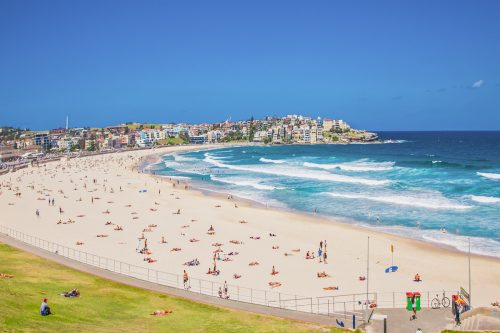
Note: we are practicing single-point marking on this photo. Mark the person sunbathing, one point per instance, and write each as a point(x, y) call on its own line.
point(275, 284)
point(255, 237)
point(287, 254)
point(106, 211)
point(274, 271)
point(163, 241)
point(362, 278)
point(72, 293)
point(194, 240)
point(79, 243)
point(331, 288)
point(296, 250)
point(322, 274)
point(153, 209)
point(243, 221)
point(235, 242)
point(162, 312)
point(152, 225)
point(216, 244)
point(272, 235)
point(275, 247)
point(102, 235)
point(150, 260)
point(253, 263)
point(227, 259)
point(6, 276)
point(233, 253)
point(211, 228)
point(217, 206)
point(417, 278)
point(175, 249)
point(309, 255)
point(236, 276)
point(118, 228)
point(178, 212)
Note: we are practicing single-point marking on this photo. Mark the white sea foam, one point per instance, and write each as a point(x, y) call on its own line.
point(484, 199)
point(354, 166)
point(243, 182)
point(297, 173)
point(180, 158)
point(479, 245)
point(434, 162)
point(439, 203)
point(495, 176)
point(268, 160)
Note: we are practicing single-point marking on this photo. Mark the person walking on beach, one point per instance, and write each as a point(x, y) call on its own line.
point(324, 257)
point(37, 213)
point(225, 289)
point(185, 279)
point(320, 253)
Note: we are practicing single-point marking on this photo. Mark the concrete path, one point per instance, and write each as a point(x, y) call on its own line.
point(398, 321)
point(260, 309)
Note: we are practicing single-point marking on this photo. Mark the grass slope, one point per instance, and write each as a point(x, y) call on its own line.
point(106, 306)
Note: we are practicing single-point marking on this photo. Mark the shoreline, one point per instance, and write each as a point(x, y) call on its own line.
point(336, 220)
point(74, 183)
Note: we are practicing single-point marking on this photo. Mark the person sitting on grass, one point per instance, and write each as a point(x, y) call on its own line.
point(44, 308)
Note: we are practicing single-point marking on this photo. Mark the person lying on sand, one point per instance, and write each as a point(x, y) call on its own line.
point(175, 249)
point(296, 250)
point(213, 272)
point(331, 288)
point(102, 235)
point(217, 244)
point(237, 242)
point(243, 221)
point(152, 226)
point(275, 284)
point(236, 276)
point(287, 254)
point(322, 274)
point(161, 312)
point(217, 206)
point(362, 278)
point(79, 243)
point(6, 276)
point(73, 293)
point(185, 226)
point(253, 263)
point(272, 235)
point(106, 211)
point(178, 212)
point(255, 237)
point(118, 228)
point(233, 253)
point(193, 262)
point(194, 240)
point(153, 209)
point(275, 247)
point(309, 255)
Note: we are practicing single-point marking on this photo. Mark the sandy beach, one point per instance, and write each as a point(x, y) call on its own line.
point(104, 205)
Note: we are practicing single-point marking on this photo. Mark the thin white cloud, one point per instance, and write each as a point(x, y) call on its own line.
point(478, 84)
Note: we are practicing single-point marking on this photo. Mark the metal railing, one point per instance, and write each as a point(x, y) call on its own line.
point(340, 306)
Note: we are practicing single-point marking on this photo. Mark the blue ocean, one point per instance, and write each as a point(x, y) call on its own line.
point(441, 187)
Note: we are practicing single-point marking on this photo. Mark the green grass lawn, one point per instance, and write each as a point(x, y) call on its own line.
point(106, 306)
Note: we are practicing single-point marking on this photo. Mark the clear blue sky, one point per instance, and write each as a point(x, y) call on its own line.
point(381, 65)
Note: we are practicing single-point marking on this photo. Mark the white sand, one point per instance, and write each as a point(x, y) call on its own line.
point(439, 268)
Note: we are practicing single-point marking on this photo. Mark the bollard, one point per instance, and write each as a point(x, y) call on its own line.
point(385, 325)
point(353, 321)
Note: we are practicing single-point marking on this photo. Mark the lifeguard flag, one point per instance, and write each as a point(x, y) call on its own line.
point(392, 248)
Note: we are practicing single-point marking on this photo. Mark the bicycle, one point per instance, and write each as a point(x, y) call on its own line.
point(436, 302)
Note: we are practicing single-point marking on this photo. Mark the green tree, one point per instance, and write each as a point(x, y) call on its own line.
point(251, 132)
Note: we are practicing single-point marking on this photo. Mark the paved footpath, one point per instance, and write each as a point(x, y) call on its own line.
point(260, 309)
point(398, 321)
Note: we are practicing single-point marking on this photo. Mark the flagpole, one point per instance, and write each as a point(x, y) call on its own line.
point(470, 294)
point(367, 275)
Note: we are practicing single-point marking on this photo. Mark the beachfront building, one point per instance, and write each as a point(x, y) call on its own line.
point(42, 140)
point(198, 139)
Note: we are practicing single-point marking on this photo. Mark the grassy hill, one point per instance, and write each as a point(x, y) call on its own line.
point(106, 306)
